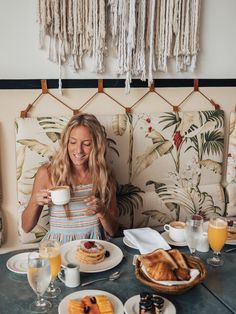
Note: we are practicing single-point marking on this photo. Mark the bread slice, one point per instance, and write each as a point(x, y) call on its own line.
point(179, 258)
point(158, 256)
point(162, 271)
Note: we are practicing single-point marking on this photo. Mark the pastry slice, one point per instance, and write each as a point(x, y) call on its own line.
point(158, 256)
point(179, 258)
point(182, 273)
point(104, 304)
point(75, 307)
point(90, 305)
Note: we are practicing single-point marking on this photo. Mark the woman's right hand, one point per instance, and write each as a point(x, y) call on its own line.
point(43, 197)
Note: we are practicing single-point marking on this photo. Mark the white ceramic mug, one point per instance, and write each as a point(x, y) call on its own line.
point(176, 231)
point(70, 275)
point(60, 195)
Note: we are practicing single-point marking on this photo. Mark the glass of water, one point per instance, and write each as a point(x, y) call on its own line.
point(39, 276)
point(193, 230)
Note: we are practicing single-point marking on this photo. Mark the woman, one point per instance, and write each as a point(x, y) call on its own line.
point(81, 164)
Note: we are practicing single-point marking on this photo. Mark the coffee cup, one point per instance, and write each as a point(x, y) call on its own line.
point(70, 275)
point(60, 195)
point(176, 230)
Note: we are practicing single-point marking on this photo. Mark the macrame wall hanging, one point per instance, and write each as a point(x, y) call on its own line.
point(142, 34)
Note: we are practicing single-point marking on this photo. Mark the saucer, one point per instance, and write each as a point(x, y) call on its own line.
point(129, 244)
point(18, 263)
point(165, 235)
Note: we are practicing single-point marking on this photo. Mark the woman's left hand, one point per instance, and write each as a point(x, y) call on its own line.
point(95, 206)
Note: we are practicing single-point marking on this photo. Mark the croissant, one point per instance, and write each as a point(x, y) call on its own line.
point(162, 271)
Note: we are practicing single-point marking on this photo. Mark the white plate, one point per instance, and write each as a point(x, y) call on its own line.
point(116, 303)
point(231, 242)
point(132, 306)
point(68, 255)
point(18, 263)
point(165, 235)
point(129, 244)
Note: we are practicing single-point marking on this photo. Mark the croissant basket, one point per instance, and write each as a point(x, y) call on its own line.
point(175, 289)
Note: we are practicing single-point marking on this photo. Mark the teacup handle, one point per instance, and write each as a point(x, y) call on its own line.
point(167, 228)
point(61, 275)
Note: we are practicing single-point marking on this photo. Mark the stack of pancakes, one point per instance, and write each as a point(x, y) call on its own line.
point(99, 304)
point(90, 252)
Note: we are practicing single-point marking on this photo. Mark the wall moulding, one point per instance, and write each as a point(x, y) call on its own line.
point(114, 83)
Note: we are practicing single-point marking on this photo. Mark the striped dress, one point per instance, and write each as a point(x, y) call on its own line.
point(70, 223)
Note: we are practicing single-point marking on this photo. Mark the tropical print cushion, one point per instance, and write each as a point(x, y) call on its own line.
point(167, 165)
point(231, 168)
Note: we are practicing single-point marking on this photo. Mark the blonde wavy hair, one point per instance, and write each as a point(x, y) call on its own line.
point(61, 167)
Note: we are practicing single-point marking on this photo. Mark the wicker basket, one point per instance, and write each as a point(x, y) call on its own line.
point(175, 289)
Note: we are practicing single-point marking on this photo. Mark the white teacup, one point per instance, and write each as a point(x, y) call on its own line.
point(71, 276)
point(60, 195)
point(176, 230)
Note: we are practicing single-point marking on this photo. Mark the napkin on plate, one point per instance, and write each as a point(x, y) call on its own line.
point(146, 239)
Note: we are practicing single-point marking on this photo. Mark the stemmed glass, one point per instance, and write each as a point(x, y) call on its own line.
point(50, 249)
point(217, 235)
point(39, 276)
point(193, 230)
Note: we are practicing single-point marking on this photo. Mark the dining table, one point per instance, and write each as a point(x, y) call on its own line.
point(216, 294)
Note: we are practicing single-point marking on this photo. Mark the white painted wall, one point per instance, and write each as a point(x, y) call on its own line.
point(20, 56)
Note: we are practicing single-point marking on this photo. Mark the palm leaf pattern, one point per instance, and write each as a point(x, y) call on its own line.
point(213, 142)
point(53, 127)
point(42, 149)
point(128, 200)
point(200, 132)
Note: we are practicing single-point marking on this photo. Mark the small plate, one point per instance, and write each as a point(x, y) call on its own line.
point(116, 303)
point(18, 263)
point(231, 242)
point(132, 306)
point(129, 244)
point(165, 235)
point(68, 256)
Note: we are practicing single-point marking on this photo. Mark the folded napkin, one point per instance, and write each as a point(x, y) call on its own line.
point(146, 240)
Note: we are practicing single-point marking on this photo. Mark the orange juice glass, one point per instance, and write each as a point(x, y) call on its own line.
point(217, 235)
point(50, 249)
point(54, 256)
